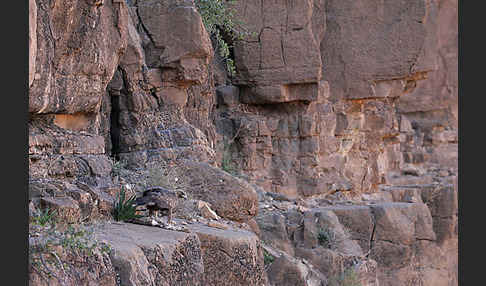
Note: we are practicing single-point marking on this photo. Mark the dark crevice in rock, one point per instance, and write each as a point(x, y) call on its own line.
point(114, 121)
point(372, 236)
point(145, 28)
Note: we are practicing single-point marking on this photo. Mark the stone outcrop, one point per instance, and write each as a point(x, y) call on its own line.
point(94, 269)
point(145, 255)
point(78, 47)
point(153, 84)
point(232, 198)
point(283, 57)
point(398, 237)
point(230, 257)
point(350, 121)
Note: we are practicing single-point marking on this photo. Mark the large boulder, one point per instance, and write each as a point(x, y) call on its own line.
point(364, 52)
point(231, 197)
point(288, 271)
point(145, 255)
point(236, 251)
point(281, 62)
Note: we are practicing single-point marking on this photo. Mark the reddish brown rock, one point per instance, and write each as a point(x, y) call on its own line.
point(168, 257)
point(65, 266)
point(78, 48)
point(356, 50)
point(286, 270)
point(231, 197)
point(330, 99)
point(65, 209)
point(236, 251)
point(283, 56)
point(32, 39)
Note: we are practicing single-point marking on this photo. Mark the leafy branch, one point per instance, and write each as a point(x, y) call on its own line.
point(220, 22)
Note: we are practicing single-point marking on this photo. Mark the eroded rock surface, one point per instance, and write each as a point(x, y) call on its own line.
point(399, 238)
point(335, 142)
point(146, 255)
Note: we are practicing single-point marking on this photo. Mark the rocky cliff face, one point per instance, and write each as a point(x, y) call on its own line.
point(339, 130)
point(329, 87)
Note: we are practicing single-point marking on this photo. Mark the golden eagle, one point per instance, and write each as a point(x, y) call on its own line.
point(157, 199)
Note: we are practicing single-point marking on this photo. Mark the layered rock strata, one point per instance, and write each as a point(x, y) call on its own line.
point(341, 121)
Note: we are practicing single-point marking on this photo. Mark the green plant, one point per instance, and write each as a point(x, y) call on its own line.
point(78, 240)
point(124, 209)
point(46, 216)
point(267, 258)
point(348, 277)
point(326, 237)
point(53, 249)
point(105, 248)
point(220, 22)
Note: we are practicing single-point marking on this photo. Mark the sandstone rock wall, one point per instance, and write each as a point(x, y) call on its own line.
point(332, 99)
point(327, 90)
point(79, 45)
point(108, 82)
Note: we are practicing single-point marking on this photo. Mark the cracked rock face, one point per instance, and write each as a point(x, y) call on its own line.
point(238, 252)
point(354, 124)
point(145, 255)
point(283, 57)
point(78, 48)
point(344, 113)
point(381, 241)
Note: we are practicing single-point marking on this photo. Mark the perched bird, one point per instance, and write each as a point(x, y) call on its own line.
point(158, 199)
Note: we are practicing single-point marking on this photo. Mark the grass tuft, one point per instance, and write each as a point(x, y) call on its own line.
point(45, 217)
point(124, 209)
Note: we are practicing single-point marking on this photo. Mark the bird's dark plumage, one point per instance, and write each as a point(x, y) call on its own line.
point(157, 199)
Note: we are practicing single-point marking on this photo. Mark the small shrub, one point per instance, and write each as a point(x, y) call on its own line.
point(220, 22)
point(124, 210)
point(105, 248)
point(46, 216)
point(326, 237)
point(267, 258)
point(80, 240)
point(45, 256)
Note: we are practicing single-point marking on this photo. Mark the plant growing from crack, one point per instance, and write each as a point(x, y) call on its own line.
point(326, 237)
point(45, 217)
point(47, 251)
point(267, 258)
point(124, 209)
point(220, 22)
